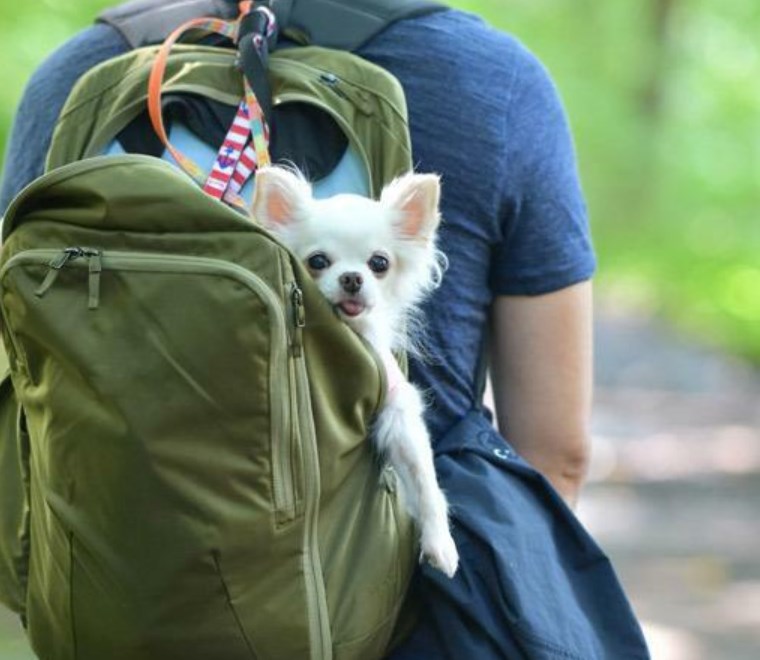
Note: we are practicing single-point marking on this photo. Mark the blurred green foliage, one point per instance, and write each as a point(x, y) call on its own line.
point(664, 100)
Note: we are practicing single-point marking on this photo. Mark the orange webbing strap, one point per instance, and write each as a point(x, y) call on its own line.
point(230, 30)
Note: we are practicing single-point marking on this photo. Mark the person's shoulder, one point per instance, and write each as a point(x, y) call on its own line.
point(454, 36)
point(462, 26)
point(71, 59)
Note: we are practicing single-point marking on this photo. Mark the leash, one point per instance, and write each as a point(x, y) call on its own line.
point(236, 160)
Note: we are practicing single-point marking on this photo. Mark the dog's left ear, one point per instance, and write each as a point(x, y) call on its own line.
point(279, 197)
point(415, 197)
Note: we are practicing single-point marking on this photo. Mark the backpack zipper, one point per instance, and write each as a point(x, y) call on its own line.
point(314, 581)
point(346, 91)
point(299, 319)
point(60, 260)
point(318, 614)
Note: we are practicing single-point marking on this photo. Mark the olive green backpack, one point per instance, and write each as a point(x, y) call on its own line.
point(184, 464)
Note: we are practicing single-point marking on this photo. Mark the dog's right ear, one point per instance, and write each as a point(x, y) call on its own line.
point(280, 197)
point(415, 197)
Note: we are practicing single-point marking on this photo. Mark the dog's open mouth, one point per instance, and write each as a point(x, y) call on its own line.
point(351, 307)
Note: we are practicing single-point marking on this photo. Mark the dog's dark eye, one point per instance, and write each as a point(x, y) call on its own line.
point(318, 261)
point(378, 263)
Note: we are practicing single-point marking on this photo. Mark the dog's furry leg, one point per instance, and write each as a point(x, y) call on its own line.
point(402, 436)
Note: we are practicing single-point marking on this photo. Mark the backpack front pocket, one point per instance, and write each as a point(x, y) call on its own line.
point(209, 336)
point(160, 395)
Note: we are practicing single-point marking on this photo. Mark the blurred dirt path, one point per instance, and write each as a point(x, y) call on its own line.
point(674, 494)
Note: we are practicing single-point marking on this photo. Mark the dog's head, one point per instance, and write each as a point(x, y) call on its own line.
point(373, 260)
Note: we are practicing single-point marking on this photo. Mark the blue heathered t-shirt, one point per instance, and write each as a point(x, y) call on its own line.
point(485, 115)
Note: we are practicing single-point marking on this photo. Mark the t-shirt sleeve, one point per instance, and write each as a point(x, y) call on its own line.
point(546, 244)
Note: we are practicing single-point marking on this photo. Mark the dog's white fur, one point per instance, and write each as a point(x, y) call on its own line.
point(347, 241)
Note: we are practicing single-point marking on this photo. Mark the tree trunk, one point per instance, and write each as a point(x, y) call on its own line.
point(652, 93)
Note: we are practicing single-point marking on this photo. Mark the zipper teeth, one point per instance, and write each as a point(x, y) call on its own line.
point(284, 63)
point(318, 615)
point(318, 611)
point(114, 260)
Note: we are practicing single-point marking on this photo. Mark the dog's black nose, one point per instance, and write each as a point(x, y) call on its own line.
point(351, 282)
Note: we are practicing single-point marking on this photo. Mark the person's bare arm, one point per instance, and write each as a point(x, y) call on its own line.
point(541, 368)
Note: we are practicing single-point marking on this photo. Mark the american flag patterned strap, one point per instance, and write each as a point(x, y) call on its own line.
point(249, 112)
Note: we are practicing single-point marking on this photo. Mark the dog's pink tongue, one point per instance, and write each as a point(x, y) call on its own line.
point(351, 307)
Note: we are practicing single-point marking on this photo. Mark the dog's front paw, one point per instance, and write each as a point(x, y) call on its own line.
point(440, 551)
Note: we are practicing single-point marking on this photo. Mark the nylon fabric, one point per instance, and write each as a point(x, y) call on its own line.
point(163, 517)
point(365, 101)
point(14, 514)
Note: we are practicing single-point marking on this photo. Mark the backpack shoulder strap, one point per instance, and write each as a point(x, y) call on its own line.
point(341, 24)
point(146, 22)
point(348, 24)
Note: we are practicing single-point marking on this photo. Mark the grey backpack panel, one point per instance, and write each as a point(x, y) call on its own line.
point(344, 25)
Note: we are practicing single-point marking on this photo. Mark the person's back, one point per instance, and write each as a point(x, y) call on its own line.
point(484, 113)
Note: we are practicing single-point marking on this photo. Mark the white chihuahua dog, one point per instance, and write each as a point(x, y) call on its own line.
point(374, 261)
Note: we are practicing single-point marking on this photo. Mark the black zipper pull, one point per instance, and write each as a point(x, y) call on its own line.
point(299, 319)
point(55, 266)
point(333, 82)
point(359, 98)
